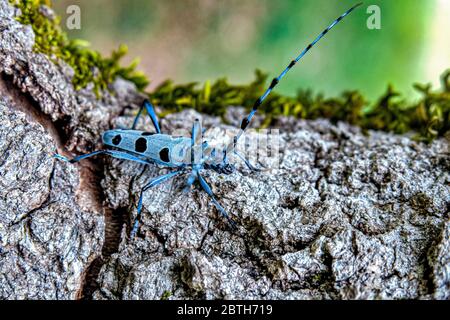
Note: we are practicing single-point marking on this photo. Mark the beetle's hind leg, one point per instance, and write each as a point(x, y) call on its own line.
point(78, 158)
point(151, 113)
point(112, 153)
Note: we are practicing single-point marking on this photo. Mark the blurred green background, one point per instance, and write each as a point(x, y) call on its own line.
point(196, 40)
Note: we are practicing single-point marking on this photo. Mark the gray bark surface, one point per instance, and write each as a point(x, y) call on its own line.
point(344, 216)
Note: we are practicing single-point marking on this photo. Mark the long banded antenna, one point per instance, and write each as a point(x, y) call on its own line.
point(245, 122)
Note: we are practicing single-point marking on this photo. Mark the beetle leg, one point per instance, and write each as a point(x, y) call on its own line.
point(151, 113)
point(112, 153)
point(196, 143)
point(208, 190)
point(248, 163)
point(149, 185)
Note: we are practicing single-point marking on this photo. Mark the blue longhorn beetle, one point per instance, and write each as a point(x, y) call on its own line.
point(183, 153)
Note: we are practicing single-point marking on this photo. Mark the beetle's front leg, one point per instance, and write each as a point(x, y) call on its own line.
point(152, 183)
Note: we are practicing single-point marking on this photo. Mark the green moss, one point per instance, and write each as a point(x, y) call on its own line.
point(89, 65)
point(429, 117)
point(166, 295)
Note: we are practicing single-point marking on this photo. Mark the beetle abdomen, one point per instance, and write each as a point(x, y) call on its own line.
point(161, 148)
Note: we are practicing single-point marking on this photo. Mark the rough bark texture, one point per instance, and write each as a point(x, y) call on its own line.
point(344, 216)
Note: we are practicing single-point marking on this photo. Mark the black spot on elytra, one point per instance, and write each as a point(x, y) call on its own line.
point(140, 145)
point(116, 140)
point(147, 133)
point(164, 154)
